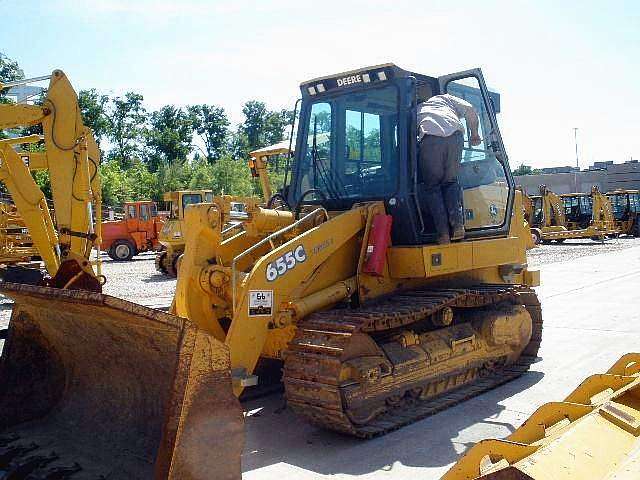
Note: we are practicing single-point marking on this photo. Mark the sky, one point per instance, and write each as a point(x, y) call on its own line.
point(557, 65)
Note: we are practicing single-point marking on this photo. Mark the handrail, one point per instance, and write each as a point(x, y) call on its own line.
point(268, 239)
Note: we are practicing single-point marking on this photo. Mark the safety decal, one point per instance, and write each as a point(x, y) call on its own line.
point(260, 303)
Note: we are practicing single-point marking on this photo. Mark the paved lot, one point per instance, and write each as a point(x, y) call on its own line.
point(590, 304)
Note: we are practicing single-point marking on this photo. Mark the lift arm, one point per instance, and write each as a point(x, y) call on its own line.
point(71, 157)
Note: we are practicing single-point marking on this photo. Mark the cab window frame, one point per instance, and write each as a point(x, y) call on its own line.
point(338, 124)
point(499, 152)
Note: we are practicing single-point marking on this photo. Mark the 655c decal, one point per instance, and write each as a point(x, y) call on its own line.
point(286, 262)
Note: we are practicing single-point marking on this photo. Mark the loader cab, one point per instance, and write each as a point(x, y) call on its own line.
point(578, 209)
point(537, 216)
point(180, 200)
point(357, 142)
point(139, 216)
point(624, 203)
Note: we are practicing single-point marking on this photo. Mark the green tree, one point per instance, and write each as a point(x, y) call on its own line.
point(9, 71)
point(93, 107)
point(127, 118)
point(42, 180)
point(231, 177)
point(121, 184)
point(114, 187)
point(238, 144)
point(523, 170)
point(172, 176)
point(168, 136)
point(255, 114)
point(212, 124)
point(276, 124)
point(262, 127)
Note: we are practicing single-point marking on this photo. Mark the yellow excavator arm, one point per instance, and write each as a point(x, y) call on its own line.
point(71, 156)
point(552, 207)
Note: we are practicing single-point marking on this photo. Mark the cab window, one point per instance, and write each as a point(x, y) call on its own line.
point(190, 198)
point(154, 210)
point(131, 211)
point(144, 212)
point(208, 197)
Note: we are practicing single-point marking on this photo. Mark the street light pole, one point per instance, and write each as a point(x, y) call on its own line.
point(575, 137)
point(575, 175)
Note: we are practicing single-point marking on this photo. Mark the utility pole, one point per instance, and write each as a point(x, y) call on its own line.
point(575, 137)
point(575, 175)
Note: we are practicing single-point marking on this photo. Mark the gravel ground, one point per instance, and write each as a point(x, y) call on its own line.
point(136, 281)
point(139, 282)
point(571, 249)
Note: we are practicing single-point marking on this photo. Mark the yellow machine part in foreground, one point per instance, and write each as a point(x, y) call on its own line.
point(593, 434)
point(115, 389)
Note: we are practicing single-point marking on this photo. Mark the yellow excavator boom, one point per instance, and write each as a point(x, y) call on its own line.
point(71, 156)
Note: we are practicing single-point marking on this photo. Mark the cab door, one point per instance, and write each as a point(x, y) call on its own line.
point(132, 217)
point(146, 222)
point(484, 175)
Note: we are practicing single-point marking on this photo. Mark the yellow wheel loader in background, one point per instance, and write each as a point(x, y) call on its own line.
point(92, 386)
point(171, 236)
point(550, 217)
point(591, 435)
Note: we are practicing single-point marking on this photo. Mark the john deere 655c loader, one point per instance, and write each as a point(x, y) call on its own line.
point(343, 285)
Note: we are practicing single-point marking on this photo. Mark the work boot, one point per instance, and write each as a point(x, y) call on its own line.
point(444, 240)
point(452, 193)
point(432, 199)
point(457, 233)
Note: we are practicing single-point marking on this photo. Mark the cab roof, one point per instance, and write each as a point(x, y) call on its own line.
point(365, 75)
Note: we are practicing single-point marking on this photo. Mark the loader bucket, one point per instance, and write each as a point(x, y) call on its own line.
point(92, 386)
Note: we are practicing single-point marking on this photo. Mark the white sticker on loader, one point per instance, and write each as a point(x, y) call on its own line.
point(260, 303)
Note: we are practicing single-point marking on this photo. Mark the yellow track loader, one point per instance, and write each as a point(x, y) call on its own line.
point(551, 223)
point(591, 435)
point(374, 324)
point(92, 386)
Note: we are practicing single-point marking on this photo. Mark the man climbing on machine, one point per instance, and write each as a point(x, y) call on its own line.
point(440, 137)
